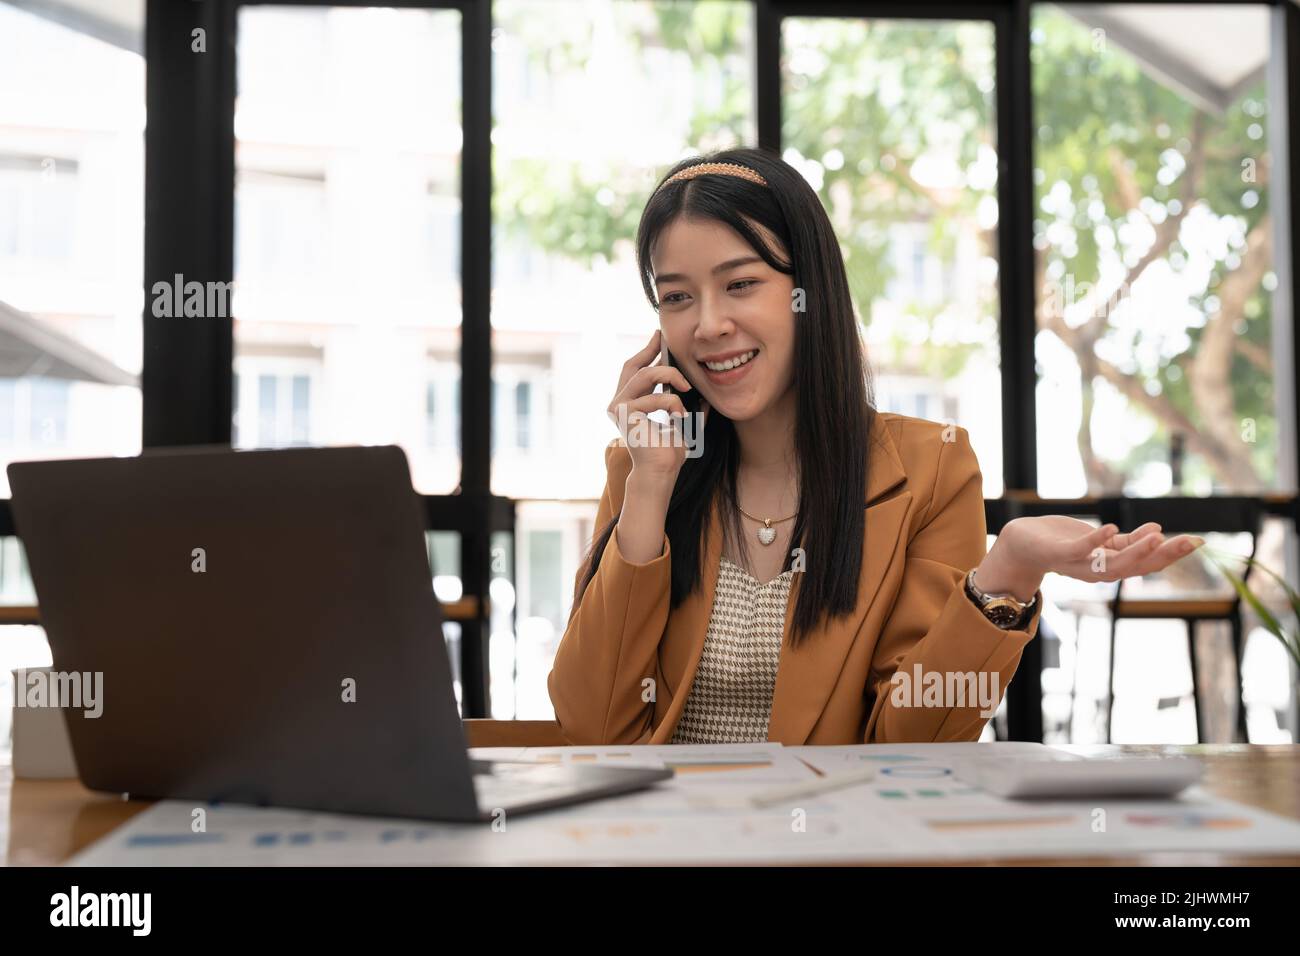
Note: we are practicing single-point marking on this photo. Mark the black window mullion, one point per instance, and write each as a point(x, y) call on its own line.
point(186, 378)
point(1016, 294)
point(476, 346)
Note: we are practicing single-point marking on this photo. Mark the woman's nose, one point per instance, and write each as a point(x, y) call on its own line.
point(714, 318)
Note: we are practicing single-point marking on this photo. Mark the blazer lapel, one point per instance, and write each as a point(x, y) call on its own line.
point(804, 676)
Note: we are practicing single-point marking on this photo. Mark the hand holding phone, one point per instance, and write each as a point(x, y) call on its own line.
point(658, 449)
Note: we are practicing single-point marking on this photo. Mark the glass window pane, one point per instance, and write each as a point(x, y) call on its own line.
point(301, 407)
point(347, 209)
point(523, 394)
point(8, 409)
point(552, 537)
point(893, 122)
point(592, 102)
point(443, 548)
point(48, 420)
point(72, 110)
point(1153, 231)
point(266, 406)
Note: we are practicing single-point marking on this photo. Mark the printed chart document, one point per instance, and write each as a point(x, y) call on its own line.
point(915, 807)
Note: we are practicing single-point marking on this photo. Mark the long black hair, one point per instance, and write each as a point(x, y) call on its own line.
point(832, 383)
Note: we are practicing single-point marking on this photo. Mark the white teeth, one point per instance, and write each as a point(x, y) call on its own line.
point(731, 363)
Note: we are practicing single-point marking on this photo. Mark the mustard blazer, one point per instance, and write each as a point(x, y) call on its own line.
point(924, 530)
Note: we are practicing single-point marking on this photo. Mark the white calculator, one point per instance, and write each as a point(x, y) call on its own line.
point(1072, 777)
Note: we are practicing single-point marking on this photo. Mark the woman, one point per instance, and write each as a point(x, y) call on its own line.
point(802, 573)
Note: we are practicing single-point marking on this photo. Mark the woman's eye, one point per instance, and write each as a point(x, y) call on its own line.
point(672, 298)
point(743, 283)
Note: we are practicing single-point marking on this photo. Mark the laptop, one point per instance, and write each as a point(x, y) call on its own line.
point(266, 630)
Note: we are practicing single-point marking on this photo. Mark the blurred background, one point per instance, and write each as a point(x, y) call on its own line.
point(1067, 228)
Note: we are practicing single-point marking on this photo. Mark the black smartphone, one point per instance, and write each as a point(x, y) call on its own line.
point(691, 397)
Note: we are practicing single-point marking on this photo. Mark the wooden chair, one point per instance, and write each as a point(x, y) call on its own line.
point(1230, 516)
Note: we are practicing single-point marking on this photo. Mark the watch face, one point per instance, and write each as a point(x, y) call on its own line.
point(1003, 615)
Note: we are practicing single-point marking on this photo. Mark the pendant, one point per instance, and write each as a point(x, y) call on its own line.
point(766, 534)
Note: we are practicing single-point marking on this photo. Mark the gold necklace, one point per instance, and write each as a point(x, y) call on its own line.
point(766, 534)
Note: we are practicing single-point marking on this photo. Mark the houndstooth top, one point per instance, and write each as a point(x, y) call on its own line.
point(731, 698)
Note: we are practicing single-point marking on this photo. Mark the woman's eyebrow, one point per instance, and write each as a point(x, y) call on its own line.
point(720, 268)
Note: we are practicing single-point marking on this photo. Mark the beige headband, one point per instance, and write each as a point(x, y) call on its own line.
point(721, 169)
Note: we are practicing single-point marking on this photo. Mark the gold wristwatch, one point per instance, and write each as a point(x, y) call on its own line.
point(1003, 610)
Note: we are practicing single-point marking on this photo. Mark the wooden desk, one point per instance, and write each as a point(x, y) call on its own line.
point(43, 823)
point(462, 609)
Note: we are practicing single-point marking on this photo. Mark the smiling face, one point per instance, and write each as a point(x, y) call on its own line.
point(726, 316)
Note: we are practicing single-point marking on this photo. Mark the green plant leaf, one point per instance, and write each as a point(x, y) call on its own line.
point(1271, 623)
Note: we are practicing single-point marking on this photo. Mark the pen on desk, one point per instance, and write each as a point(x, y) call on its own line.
point(811, 787)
